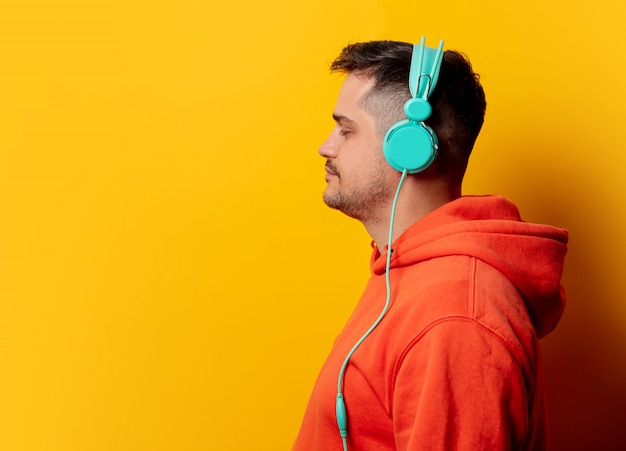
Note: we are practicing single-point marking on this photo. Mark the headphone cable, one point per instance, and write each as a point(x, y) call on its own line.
point(340, 405)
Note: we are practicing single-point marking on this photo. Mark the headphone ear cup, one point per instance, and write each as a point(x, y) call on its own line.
point(410, 145)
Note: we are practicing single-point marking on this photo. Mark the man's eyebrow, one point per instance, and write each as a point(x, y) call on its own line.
point(344, 119)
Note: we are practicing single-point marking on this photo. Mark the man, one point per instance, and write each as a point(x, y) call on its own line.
point(456, 307)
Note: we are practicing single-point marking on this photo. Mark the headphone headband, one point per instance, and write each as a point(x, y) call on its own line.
point(425, 64)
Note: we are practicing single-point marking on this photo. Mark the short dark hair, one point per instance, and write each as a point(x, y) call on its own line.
point(458, 100)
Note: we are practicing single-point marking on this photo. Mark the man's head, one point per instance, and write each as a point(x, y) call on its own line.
point(371, 100)
point(458, 100)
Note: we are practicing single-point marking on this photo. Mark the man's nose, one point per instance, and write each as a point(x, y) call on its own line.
point(328, 148)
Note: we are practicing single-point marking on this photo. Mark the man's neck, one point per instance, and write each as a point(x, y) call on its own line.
point(415, 201)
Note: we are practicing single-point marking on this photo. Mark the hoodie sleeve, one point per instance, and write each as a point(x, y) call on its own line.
point(459, 387)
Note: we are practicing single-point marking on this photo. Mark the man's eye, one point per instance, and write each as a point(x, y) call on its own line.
point(343, 132)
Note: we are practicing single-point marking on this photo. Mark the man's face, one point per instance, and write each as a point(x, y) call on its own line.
point(359, 180)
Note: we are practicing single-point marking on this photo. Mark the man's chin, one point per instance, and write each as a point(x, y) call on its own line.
point(340, 203)
point(332, 200)
point(328, 200)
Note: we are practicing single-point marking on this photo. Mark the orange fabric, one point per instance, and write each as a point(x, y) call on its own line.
point(455, 362)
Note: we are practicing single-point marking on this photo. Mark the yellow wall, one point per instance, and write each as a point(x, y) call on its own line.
point(169, 277)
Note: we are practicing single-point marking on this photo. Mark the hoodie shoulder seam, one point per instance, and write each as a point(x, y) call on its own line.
point(523, 366)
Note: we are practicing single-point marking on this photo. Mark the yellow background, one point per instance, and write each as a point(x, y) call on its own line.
point(169, 276)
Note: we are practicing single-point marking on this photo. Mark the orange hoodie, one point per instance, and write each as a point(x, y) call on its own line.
point(455, 362)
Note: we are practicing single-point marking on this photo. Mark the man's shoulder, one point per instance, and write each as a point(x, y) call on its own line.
point(457, 287)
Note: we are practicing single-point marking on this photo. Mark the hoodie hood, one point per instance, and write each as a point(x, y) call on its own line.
point(490, 228)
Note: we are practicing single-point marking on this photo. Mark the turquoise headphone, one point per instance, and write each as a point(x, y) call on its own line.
point(411, 144)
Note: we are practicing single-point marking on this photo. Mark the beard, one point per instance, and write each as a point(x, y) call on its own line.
point(359, 202)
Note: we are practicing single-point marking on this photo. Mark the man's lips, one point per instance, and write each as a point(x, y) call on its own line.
point(330, 170)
